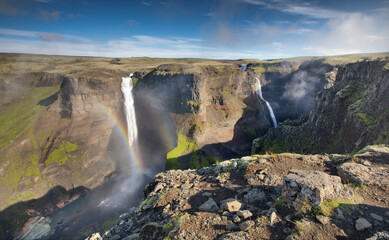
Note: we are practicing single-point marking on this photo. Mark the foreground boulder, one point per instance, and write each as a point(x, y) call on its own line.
point(310, 187)
point(365, 175)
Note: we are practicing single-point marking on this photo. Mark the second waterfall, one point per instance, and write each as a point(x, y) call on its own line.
point(258, 91)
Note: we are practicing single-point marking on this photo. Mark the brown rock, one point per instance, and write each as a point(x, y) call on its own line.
point(231, 205)
point(246, 225)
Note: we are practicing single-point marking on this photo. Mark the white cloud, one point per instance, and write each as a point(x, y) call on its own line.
point(351, 33)
point(20, 33)
point(42, 35)
point(343, 34)
point(297, 8)
point(146, 3)
point(135, 46)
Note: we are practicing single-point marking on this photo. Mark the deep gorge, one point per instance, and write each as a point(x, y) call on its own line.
point(190, 114)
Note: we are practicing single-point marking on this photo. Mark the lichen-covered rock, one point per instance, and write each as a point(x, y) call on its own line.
point(361, 174)
point(254, 195)
point(311, 187)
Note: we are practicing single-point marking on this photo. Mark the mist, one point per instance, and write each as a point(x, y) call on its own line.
point(300, 89)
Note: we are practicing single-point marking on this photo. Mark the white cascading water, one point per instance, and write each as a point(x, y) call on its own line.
point(132, 131)
point(130, 109)
point(258, 91)
point(243, 67)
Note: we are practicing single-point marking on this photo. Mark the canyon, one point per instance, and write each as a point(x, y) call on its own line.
point(64, 134)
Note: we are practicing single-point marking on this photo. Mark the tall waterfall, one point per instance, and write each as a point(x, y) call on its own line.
point(130, 109)
point(258, 91)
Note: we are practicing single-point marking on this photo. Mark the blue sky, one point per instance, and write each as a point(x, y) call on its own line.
point(227, 29)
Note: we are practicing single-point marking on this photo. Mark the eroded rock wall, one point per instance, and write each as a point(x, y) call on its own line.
point(66, 130)
point(347, 116)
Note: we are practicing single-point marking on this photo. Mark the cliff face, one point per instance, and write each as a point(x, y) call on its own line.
point(69, 127)
point(62, 122)
point(206, 112)
point(211, 112)
point(350, 115)
point(67, 115)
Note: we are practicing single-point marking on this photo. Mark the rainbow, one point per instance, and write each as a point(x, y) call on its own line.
point(122, 126)
point(169, 137)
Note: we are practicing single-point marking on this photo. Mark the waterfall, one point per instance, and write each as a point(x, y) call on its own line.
point(258, 91)
point(243, 67)
point(130, 109)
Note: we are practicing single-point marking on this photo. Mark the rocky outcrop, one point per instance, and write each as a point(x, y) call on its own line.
point(181, 204)
point(347, 116)
point(365, 175)
point(311, 187)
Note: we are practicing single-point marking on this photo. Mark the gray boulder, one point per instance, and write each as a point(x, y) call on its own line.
point(361, 224)
point(378, 176)
point(311, 187)
point(209, 206)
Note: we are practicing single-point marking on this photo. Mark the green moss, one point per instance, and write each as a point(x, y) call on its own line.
point(174, 223)
point(258, 67)
point(366, 120)
point(183, 147)
point(14, 172)
point(108, 224)
point(22, 115)
point(328, 206)
point(227, 93)
point(280, 201)
point(23, 196)
point(148, 201)
point(195, 106)
point(61, 155)
point(193, 103)
point(85, 233)
point(33, 166)
point(195, 127)
point(173, 163)
point(198, 162)
point(352, 93)
point(275, 145)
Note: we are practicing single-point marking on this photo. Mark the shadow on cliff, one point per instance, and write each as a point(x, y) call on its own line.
point(250, 125)
point(15, 216)
point(289, 93)
point(294, 94)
